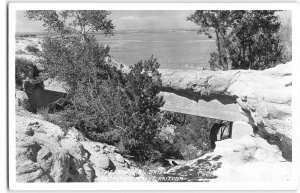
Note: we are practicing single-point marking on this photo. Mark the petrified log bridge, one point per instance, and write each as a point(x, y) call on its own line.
point(211, 108)
point(261, 98)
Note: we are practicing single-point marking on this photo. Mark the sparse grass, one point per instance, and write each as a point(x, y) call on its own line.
point(55, 118)
point(44, 111)
point(121, 147)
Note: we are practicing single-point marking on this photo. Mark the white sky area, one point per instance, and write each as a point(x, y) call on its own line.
point(141, 19)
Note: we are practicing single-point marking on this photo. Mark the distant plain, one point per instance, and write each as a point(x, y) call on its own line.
point(174, 49)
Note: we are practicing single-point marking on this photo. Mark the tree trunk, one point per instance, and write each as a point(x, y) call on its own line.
point(243, 48)
point(219, 48)
point(229, 62)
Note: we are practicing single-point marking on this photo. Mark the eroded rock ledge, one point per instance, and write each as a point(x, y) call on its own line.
point(47, 153)
point(264, 96)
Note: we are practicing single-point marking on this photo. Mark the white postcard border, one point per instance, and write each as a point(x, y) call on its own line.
point(13, 185)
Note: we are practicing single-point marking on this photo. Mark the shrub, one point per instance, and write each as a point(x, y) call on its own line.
point(44, 111)
point(73, 61)
point(143, 117)
point(120, 108)
point(189, 152)
point(56, 118)
point(191, 133)
point(32, 49)
point(24, 68)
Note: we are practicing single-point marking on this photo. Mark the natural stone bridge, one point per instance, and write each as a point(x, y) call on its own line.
point(261, 98)
point(211, 108)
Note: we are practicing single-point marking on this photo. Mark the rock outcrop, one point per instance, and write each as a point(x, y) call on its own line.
point(265, 97)
point(21, 99)
point(47, 153)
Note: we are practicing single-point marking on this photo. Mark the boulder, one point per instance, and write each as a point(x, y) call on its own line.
point(44, 154)
point(98, 149)
point(100, 161)
point(22, 99)
point(60, 168)
point(119, 158)
point(103, 162)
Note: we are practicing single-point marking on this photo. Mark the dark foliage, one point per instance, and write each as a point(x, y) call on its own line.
point(72, 61)
point(191, 134)
point(24, 68)
point(32, 49)
point(108, 106)
point(245, 39)
point(122, 109)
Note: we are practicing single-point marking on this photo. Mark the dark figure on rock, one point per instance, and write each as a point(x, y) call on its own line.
point(220, 130)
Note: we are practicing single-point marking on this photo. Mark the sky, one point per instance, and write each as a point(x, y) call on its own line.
point(129, 19)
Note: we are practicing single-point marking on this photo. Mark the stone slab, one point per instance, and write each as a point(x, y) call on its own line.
point(211, 109)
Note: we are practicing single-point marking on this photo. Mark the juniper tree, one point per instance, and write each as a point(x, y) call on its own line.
point(246, 39)
point(70, 51)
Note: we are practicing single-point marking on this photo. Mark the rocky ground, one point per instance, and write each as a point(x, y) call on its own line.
point(46, 153)
point(248, 159)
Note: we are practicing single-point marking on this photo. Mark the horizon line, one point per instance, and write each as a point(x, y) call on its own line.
point(122, 30)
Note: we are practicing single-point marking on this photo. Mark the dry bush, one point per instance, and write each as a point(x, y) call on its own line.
point(32, 49)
